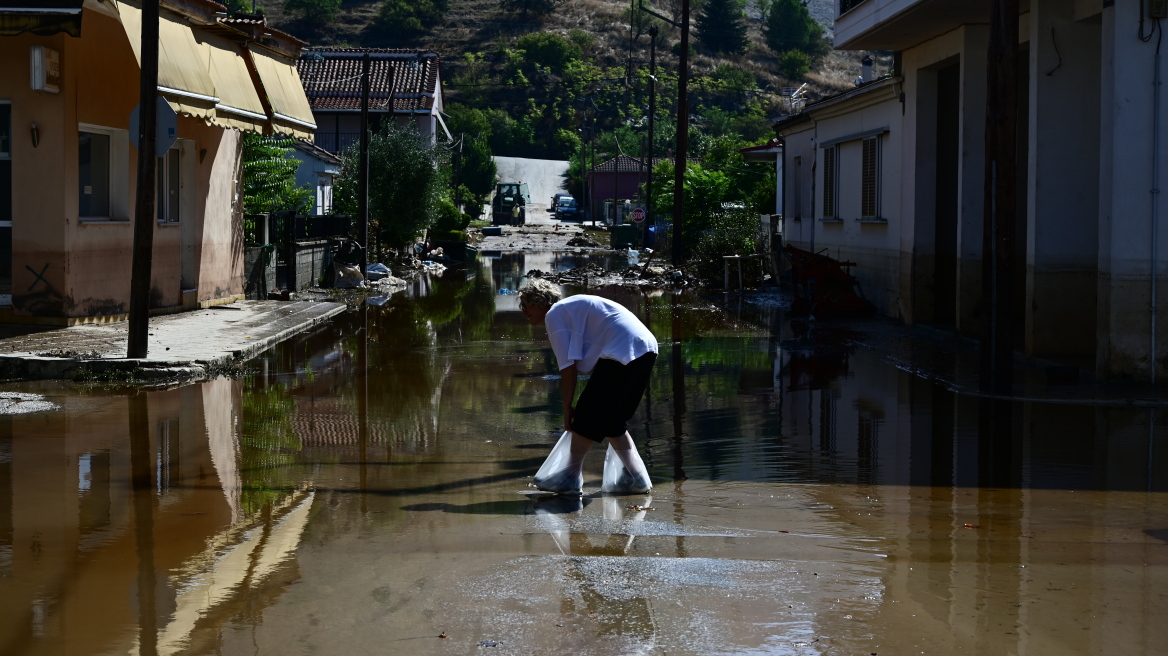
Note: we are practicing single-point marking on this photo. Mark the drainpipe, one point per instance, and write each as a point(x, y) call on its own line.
point(1155, 208)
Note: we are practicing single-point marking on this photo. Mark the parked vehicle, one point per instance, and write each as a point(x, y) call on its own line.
point(566, 209)
point(508, 196)
point(556, 201)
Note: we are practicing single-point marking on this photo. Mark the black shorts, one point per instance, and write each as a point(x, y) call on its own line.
point(611, 397)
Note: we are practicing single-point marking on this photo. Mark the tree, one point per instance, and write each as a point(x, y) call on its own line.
point(721, 26)
point(537, 7)
point(478, 170)
point(789, 26)
point(314, 11)
point(405, 184)
point(269, 175)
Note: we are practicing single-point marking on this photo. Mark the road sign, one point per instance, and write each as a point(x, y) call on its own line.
point(167, 124)
point(638, 215)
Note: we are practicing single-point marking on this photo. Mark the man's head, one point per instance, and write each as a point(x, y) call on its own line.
point(536, 298)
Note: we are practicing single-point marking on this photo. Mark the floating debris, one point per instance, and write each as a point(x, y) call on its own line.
point(640, 508)
point(489, 643)
point(639, 275)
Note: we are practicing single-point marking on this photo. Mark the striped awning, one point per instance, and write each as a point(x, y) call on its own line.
point(290, 112)
point(184, 77)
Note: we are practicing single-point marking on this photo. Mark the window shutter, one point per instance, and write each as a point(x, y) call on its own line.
point(870, 179)
point(829, 177)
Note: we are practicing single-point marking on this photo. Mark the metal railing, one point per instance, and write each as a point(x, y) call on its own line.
point(847, 5)
point(335, 142)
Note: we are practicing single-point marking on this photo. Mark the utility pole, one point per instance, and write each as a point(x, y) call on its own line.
point(998, 243)
point(137, 345)
point(363, 176)
point(652, 115)
point(682, 136)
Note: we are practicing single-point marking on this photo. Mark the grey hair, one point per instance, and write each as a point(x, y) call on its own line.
point(538, 291)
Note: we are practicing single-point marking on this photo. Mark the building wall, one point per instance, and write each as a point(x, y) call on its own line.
point(66, 268)
point(872, 243)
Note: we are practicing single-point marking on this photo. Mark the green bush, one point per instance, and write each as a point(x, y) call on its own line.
point(548, 50)
point(448, 218)
point(731, 232)
point(794, 65)
point(448, 235)
point(404, 18)
point(314, 11)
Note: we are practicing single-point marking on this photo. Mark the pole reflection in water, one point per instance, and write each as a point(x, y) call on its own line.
point(678, 369)
point(142, 487)
point(363, 404)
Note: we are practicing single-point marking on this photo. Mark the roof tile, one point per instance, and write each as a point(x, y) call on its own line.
point(332, 78)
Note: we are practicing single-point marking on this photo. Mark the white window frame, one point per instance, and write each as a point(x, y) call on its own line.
point(119, 173)
point(186, 183)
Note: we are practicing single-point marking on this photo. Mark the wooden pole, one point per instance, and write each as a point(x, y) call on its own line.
point(137, 344)
point(363, 179)
point(682, 137)
point(652, 114)
point(1001, 165)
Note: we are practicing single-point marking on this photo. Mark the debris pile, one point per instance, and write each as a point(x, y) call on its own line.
point(583, 242)
point(662, 276)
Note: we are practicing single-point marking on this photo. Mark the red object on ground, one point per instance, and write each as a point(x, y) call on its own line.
point(824, 288)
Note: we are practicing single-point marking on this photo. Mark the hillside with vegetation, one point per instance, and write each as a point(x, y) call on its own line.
point(570, 79)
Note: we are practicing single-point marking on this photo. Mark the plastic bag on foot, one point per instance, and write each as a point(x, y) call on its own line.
point(556, 473)
point(617, 477)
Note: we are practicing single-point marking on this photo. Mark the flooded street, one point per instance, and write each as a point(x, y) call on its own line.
point(811, 498)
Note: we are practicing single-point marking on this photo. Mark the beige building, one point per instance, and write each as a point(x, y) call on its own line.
point(1090, 252)
point(67, 165)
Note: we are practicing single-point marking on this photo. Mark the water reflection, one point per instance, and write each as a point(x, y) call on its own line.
point(362, 488)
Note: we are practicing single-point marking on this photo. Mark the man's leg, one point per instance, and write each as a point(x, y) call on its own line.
point(635, 477)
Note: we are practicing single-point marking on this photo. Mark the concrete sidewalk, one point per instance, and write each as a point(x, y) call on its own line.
point(185, 346)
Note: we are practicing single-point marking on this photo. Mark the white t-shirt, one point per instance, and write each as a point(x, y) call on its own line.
point(585, 328)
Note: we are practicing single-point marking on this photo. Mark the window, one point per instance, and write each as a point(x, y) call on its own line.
point(93, 172)
point(830, 173)
point(169, 185)
point(870, 179)
point(102, 173)
point(797, 205)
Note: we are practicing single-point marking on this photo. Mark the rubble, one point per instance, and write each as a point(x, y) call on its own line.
point(657, 276)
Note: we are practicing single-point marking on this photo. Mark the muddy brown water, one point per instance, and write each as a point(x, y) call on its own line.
point(810, 498)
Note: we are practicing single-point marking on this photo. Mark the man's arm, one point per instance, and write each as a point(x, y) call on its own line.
point(568, 391)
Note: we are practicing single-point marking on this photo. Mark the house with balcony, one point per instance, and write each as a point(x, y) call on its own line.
point(68, 85)
point(404, 86)
point(891, 174)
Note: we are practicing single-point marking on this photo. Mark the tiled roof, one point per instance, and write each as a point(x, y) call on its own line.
point(332, 78)
point(626, 164)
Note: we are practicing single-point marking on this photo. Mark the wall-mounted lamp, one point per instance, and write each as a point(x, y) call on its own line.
point(36, 135)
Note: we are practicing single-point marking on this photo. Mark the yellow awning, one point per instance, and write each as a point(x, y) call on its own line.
point(183, 76)
point(290, 111)
point(239, 105)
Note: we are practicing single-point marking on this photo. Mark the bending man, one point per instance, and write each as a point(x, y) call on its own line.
point(593, 334)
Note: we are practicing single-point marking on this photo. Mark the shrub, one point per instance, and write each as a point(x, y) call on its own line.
point(269, 175)
point(314, 11)
point(732, 232)
point(537, 7)
point(548, 50)
point(405, 18)
point(794, 65)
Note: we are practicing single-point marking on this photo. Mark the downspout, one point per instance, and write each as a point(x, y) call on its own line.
point(1155, 206)
point(814, 173)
